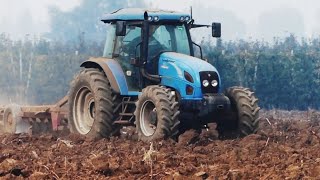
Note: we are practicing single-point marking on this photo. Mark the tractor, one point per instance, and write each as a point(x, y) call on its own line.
point(150, 78)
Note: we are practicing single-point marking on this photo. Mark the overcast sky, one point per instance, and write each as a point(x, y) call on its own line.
point(240, 18)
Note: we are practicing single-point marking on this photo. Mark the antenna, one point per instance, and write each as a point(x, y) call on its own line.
point(191, 12)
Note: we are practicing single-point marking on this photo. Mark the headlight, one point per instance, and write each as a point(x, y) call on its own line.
point(187, 18)
point(205, 83)
point(181, 18)
point(214, 83)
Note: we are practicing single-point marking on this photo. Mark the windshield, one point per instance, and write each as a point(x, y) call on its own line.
point(168, 38)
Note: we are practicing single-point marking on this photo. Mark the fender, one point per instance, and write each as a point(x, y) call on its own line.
point(113, 71)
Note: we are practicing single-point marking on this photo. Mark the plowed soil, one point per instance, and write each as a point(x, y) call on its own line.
point(286, 147)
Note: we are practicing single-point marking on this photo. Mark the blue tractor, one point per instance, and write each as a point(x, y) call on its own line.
point(150, 78)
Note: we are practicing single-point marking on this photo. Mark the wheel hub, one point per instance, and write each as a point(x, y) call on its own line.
point(84, 110)
point(148, 118)
point(153, 117)
point(92, 111)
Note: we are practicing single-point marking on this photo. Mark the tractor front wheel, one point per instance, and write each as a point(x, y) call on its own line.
point(156, 114)
point(93, 106)
point(243, 118)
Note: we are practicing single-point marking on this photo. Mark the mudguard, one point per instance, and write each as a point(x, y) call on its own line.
point(113, 71)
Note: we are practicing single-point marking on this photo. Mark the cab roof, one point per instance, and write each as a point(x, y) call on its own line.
point(140, 14)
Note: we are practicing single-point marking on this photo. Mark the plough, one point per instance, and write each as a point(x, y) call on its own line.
point(34, 119)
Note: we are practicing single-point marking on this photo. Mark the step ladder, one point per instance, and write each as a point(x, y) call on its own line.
point(125, 117)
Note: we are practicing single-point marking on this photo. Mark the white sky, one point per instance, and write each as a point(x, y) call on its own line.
point(249, 11)
point(12, 13)
point(229, 12)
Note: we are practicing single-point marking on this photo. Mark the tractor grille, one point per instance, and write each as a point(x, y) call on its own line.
point(210, 76)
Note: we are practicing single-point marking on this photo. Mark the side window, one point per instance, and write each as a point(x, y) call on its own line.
point(133, 32)
point(126, 45)
point(110, 40)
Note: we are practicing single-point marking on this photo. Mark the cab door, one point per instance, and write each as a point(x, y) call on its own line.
point(127, 48)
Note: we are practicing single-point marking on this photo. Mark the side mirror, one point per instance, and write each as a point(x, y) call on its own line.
point(216, 29)
point(121, 28)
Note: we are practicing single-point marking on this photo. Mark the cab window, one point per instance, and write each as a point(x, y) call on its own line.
point(126, 45)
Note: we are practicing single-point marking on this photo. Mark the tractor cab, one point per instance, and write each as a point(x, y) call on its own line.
point(137, 38)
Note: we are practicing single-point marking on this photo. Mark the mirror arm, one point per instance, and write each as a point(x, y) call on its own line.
point(199, 48)
point(199, 25)
point(190, 24)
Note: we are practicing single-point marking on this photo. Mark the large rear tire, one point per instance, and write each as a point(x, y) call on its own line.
point(93, 105)
point(156, 114)
point(243, 118)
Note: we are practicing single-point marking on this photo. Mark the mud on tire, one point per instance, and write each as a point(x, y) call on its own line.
point(244, 116)
point(93, 105)
point(156, 114)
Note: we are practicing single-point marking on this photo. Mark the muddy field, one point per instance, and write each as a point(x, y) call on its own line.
point(286, 147)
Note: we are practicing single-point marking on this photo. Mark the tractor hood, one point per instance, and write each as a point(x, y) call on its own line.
point(173, 65)
point(193, 63)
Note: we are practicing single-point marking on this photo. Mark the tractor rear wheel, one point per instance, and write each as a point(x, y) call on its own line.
point(156, 114)
point(243, 118)
point(93, 105)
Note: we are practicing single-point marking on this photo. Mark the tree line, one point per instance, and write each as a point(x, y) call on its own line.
point(284, 74)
